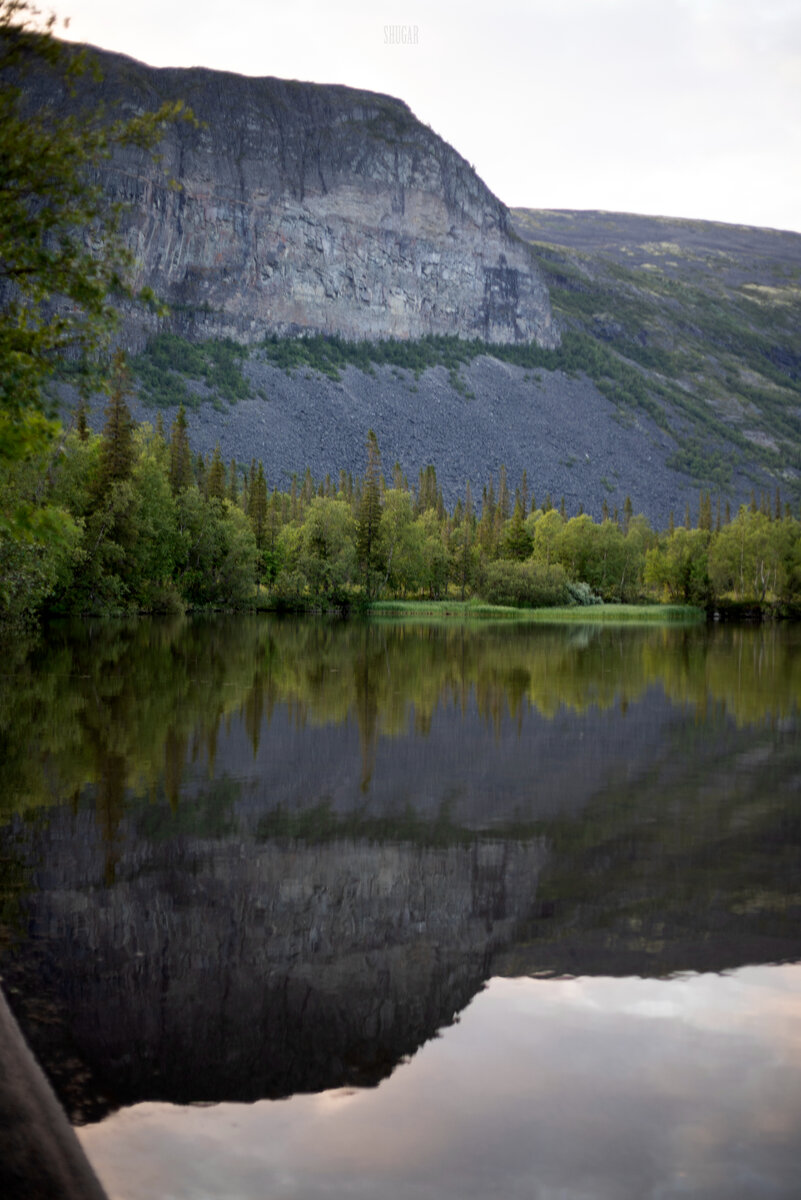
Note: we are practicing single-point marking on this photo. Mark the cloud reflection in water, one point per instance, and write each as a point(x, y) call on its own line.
point(576, 1088)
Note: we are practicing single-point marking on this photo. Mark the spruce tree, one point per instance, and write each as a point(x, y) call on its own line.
point(233, 483)
point(367, 528)
point(215, 485)
point(180, 454)
point(117, 447)
point(81, 421)
point(201, 469)
point(504, 504)
point(705, 510)
point(257, 507)
point(517, 540)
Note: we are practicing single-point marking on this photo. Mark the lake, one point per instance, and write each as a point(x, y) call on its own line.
point(305, 909)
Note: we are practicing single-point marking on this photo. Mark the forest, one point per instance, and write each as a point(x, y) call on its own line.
point(129, 520)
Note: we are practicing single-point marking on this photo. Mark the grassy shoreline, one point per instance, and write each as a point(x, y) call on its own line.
point(604, 613)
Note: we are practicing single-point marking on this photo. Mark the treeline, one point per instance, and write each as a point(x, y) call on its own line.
point(130, 521)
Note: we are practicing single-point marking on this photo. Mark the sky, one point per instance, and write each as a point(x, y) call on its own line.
point(684, 108)
point(549, 1088)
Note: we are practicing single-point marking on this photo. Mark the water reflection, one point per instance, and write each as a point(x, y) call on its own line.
point(129, 706)
point(609, 1088)
point(244, 859)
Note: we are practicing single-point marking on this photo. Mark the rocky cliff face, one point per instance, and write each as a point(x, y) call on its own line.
point(240, 969)
point(304, 207)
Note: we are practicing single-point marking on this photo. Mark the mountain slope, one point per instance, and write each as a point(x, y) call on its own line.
point(709, 316)
point(671, 362)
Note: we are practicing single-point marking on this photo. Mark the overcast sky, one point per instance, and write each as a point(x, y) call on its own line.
point(688, 108)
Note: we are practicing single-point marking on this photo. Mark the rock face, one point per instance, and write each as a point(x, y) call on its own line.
point(304, 207)
point(240, 969)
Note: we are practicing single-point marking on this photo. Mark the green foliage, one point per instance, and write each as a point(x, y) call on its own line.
point(368, 541)
point(679, 566)
point(168, 361)
point(523, 585)
point(143, 538)
point(59, 285)
point(582, 594)
point(703, 462)
point(63, 268)
point(327, 557)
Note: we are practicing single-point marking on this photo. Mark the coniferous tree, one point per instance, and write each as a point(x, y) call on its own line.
point(307, 491)
point(369, 518)
point(466, 533)
point(201, 470)
point(180, 455)
point(233, 483)
point(504, 504)
point(705, 510)
point(257, 507)
point(215, 485)
point(117, 446)
point(487, 523)
point(81, 421)
point(441, 513)
point(517, 541)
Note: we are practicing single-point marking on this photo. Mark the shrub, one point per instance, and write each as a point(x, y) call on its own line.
point(582, 594)
point(524, 585)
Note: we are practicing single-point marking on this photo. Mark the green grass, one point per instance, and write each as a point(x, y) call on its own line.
point(605, 613)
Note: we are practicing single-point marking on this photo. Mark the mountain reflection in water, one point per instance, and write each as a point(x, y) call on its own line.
point(246, 859)
point(615, 1089)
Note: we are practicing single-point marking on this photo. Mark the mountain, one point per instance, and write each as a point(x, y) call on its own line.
point(707, 315)
point(606, 355)
point(303, 207)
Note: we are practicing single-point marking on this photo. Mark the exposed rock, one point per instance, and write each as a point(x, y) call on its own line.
point(308, 207)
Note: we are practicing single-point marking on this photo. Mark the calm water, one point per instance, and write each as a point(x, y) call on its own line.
point(296, 909)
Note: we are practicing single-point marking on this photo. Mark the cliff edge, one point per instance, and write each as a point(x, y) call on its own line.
point(309, 208)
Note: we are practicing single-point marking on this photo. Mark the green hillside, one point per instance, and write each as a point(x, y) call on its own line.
point(708, 315)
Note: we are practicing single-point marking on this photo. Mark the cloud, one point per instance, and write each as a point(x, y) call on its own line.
point(601, 1087)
